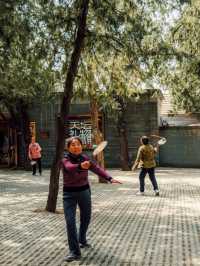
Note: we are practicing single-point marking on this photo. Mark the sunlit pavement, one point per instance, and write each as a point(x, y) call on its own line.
point(125, 230)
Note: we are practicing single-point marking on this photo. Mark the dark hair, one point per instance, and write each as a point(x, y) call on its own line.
point(145, 140)
point(69, 140)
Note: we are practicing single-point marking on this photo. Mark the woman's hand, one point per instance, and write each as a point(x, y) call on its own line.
point(156, 149)
point(134, 167)
point(114, 181)
point(85, 165)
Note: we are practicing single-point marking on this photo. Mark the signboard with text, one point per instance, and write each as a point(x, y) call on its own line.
point(83, 129)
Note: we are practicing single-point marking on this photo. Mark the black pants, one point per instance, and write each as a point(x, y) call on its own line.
point(151, 172)
point(39, 163)
point(71, 200)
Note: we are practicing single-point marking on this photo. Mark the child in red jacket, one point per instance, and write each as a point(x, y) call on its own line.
point(34, 154)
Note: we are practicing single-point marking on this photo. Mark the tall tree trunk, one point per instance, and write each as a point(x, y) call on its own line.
point(19, 116)
point(68, 92)
point(97, 135)
point(25, 130)
point(55, 168)
point(122, 130)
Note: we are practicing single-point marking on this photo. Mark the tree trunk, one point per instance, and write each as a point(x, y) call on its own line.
point(55, 168)
point(25, 131)
point(122, 130)
point(68, 92)
point(97, 135)
point(21, 121)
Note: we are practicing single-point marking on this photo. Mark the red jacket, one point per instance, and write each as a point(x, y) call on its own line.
point(34, 151)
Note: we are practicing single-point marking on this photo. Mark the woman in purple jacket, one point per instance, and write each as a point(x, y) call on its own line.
point(76, 191)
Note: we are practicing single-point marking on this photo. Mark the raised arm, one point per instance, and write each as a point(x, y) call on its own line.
point(138, 158)
point(156, 148)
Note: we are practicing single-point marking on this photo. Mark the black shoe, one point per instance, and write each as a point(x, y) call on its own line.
point(157, 193)
point(85, 245)
point(72, 257)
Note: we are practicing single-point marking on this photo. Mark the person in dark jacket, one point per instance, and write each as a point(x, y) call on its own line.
point(76, 191)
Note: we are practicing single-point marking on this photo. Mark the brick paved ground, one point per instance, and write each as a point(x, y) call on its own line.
point(126, 229)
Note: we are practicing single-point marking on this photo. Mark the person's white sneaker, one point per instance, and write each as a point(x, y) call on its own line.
point(157, 193)
point(139, 193)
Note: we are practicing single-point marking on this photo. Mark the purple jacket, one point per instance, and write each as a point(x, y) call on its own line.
point(76, 177)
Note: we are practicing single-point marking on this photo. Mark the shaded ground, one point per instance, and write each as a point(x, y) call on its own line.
point(125, 230)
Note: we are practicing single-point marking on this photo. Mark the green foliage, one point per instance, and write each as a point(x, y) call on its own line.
point(124, 44)
point(124, 48)
point(182, 72)
point(26, 71)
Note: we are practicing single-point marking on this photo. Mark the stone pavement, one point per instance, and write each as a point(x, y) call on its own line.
point(125, 230)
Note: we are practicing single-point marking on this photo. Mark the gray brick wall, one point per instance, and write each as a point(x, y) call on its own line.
point(45, 117)
point(182, 147)
point(141, 119)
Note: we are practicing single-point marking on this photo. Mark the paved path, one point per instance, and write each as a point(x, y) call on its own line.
point(126, 229)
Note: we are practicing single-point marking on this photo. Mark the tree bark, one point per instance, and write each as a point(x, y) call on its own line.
point(122, 130)
point(55, 168)
point(97, 135)
point(25, 130)
point(66, 100)
point(19, 116)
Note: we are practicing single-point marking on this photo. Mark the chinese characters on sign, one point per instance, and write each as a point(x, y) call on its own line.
point(82, 129)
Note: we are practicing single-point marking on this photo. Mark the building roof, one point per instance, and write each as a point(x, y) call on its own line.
point(169, 117)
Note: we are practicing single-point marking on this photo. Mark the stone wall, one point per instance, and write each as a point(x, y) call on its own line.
point(182, 147)
point(141, 120)
point(45, 117)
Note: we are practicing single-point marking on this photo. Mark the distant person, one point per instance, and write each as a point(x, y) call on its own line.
point(76, 192)
point(146, 161)
point(34, 154)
